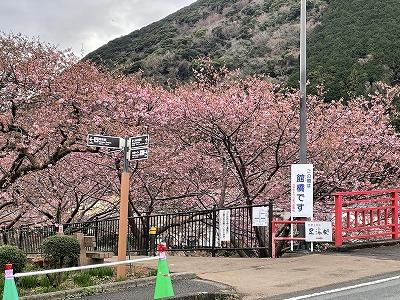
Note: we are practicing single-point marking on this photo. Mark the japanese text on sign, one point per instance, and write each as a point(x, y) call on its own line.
point(260, 216)
point(302, 190)
point(318, 231)
point(225, 225)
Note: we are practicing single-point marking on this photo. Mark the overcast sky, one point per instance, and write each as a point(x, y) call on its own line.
point(82, 24)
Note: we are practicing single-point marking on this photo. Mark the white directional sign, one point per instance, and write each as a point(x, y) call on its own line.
point(318, 231)
point(94, 140)
point(139, 141)
point(139, 154)
point(260, 216)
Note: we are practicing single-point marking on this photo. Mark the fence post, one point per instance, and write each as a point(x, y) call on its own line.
point(147, 235)
point(214, 232)
point(270, 231)
point(338, 220)
point(20, 237)
point(96, 234)
point(273, 255)
point(395, 215)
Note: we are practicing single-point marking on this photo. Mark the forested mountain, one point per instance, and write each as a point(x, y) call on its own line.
point(351, 43)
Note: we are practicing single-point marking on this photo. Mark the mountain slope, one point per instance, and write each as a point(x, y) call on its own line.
point(357, 44)
point(258, 36)
point(351, 43)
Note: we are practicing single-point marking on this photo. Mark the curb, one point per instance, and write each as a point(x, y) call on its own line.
point(106, 287)
point(208, 296)
point(355, 246)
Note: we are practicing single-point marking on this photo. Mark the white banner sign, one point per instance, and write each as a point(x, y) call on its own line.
point(302, 190)
point(224, 225)
point(318, 231)
point(260, 216)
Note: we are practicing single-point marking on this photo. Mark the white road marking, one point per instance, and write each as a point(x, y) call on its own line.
point(344, 288)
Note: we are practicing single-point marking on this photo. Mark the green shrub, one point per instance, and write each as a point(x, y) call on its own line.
point(83, 279)
point(44, 281)
point(61, 250)
point(12, 255)
point(1, 286)
point(27, 282)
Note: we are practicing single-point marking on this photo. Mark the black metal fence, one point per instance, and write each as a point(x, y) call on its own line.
point(187, 231)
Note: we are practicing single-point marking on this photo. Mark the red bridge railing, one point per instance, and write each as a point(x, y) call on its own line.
point(366, 215)
point(283, 238)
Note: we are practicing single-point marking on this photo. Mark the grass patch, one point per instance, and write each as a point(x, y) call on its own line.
point(32, 285)
point(83, 279)
point(101, 272)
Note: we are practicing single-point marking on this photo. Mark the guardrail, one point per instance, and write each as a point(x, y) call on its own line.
point(124, 262)
point(361, 215)
point(283, 238)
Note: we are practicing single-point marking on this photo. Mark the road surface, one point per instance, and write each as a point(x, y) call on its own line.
point(381, 289)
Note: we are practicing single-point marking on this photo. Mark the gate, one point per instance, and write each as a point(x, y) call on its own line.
point(199, 231)
point(366, 215)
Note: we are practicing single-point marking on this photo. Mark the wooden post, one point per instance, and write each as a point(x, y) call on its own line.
point(123, 224)
point(82, 255)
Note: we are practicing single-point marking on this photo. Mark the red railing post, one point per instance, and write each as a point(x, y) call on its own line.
point(273, 240)
point(395, 215)
point(338, 220)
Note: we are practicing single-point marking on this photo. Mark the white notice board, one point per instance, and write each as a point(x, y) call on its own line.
point(302, 190)
point(260, 216)
point(318, 231)
point(224, 225)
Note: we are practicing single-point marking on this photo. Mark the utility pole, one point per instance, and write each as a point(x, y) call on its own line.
point(303, 91)
point(303, 98)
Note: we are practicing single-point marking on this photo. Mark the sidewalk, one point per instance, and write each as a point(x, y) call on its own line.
point(261, 278)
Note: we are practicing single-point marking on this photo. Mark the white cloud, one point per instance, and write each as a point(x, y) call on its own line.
point(77, 23)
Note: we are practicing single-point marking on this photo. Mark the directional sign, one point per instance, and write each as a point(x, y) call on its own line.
point(139, 153)
point(139, 141)
point(105, 141)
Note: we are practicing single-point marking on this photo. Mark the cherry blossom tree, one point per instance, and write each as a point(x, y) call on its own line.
point(223, 140)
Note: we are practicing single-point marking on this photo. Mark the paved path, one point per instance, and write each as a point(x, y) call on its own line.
point(265, 278)
point(181, 288)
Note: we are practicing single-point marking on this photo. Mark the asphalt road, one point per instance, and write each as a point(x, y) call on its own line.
point(181, 288)
point(382, 289)
point(383, 252)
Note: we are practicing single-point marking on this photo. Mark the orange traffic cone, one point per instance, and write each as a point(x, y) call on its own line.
point(163, 281)
point(10, 290)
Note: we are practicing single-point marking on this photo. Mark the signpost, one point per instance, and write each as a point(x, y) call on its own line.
point(139, 154)
point(126, 145)
point(139, 141)
point(105, 141)
point(302, 190)
point(301, 196)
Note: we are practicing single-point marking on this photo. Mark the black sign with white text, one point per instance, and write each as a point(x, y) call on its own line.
point(139, 141)
point(104, 141)
point(139, 154)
